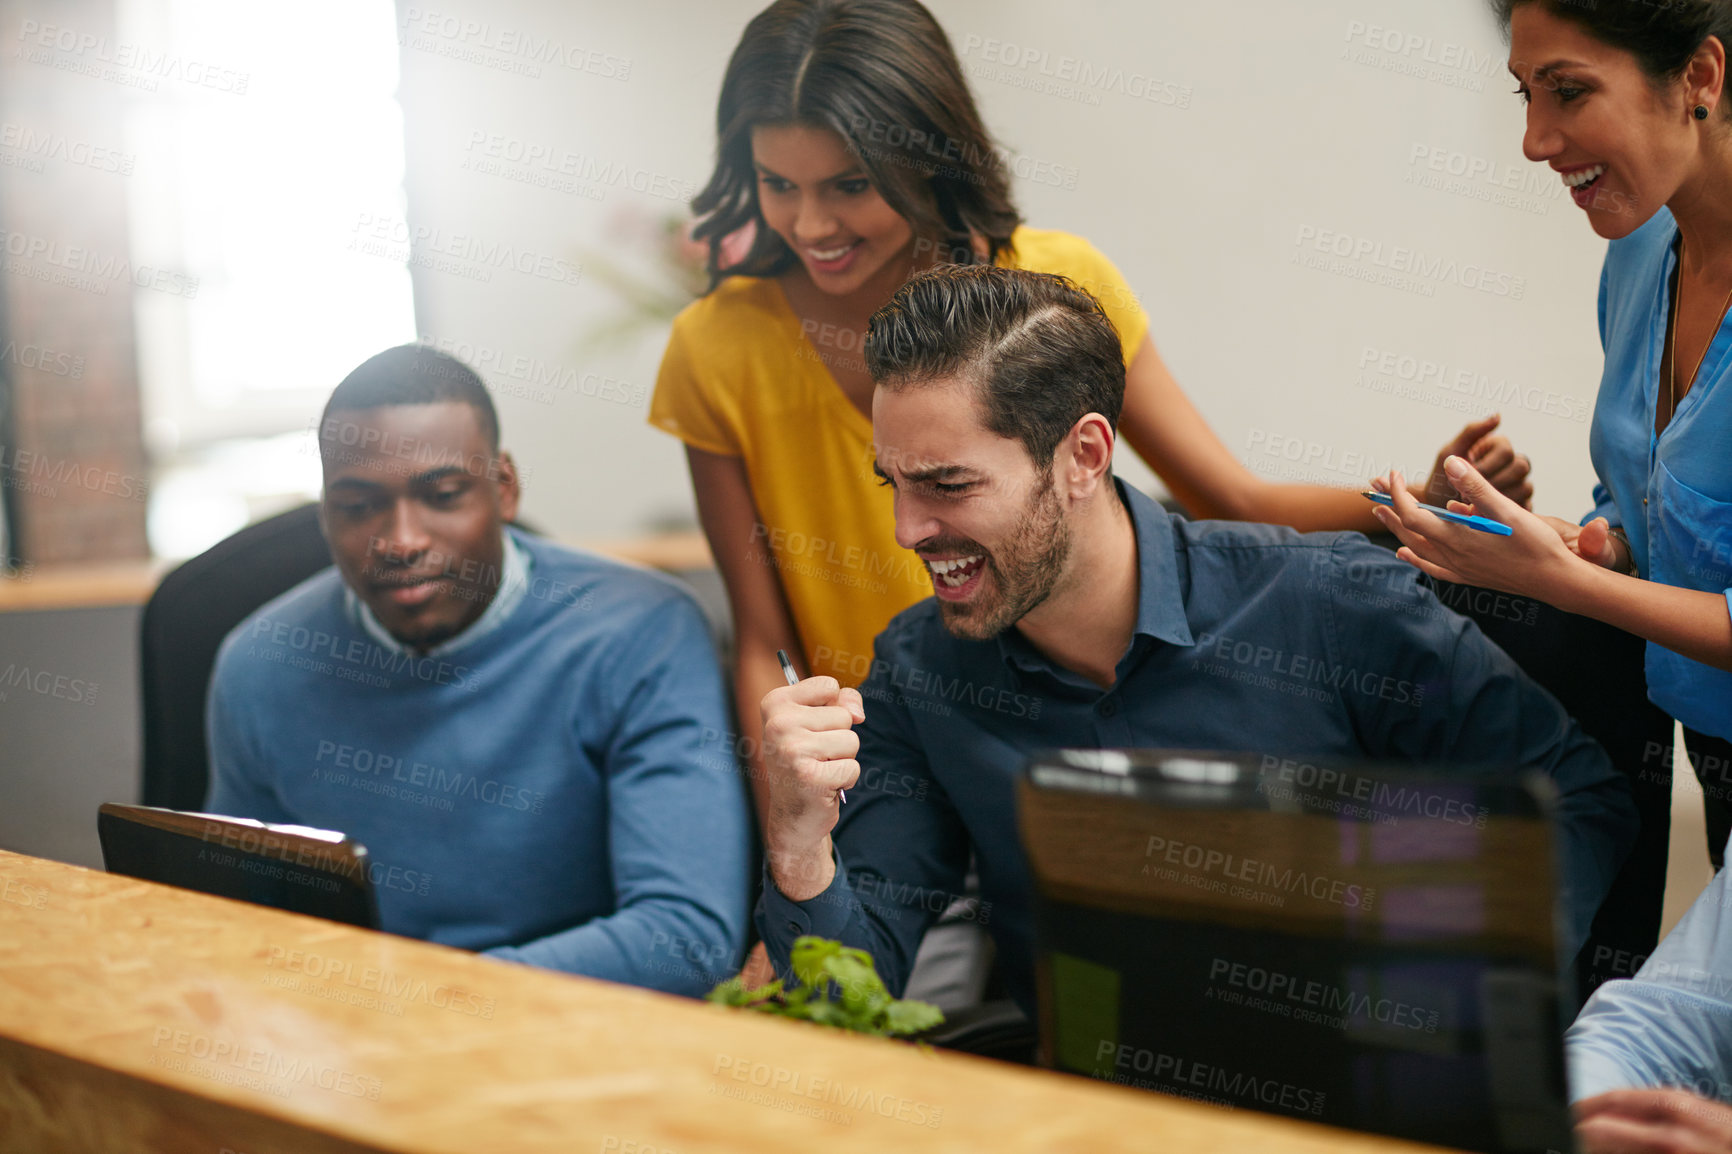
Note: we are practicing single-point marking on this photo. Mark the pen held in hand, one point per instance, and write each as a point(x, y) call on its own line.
point(794, 679)
point(1483, 524)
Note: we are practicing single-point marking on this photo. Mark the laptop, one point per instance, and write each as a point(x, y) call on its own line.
point(288, 867)
point(1370, 949)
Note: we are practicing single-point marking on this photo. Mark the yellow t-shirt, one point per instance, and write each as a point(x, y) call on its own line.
point(740, 379)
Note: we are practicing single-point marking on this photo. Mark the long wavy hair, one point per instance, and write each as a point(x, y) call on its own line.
point(881, 75)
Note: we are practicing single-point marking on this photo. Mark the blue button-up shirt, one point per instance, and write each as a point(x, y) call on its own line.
point(1670, 1025)
point(1248, 638)
point(1672, 494)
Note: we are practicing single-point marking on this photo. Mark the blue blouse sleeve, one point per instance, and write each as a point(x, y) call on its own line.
point(1605, 281)
point(1604, 506)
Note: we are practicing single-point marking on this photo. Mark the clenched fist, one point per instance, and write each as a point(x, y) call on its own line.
point(809, 750)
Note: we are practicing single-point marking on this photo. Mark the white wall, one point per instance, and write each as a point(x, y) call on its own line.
point(1273, 126)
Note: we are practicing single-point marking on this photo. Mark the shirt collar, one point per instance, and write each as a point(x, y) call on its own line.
point(513, 585)
point(1160, 597)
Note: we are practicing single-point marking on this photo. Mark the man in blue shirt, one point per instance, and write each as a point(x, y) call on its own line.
point(512, 729)
point(1071, 610)
point(1651, 1057)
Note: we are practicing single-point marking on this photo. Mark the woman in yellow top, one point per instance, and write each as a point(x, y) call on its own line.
point(850, 156)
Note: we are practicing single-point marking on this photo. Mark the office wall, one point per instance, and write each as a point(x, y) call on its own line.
point(1323, 206)
point(69, 727)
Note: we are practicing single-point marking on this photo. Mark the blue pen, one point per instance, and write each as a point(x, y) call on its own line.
point(794, 679)
point(1483, 524)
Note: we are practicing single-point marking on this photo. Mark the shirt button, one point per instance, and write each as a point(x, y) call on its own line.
point(1109, 707)
point(793, 927)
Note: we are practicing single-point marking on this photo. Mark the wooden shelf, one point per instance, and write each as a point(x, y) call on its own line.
point(124, 583)
point(82, 586)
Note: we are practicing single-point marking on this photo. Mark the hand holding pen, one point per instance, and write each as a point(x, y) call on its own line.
point(809, 756)
point(794, 679)
point(1458, 516)
point(1484, 539)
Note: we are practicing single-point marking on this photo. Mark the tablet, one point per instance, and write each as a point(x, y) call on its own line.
point(287, 867)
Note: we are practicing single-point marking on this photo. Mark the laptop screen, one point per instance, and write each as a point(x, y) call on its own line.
point(1369, 949)
point(293, 868)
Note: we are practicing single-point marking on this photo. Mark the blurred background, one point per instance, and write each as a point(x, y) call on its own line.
point(210, 211)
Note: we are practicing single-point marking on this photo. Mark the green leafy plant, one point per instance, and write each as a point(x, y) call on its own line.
point(822, 966)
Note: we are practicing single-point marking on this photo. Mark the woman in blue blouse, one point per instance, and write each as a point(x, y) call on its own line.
point(1626, 100)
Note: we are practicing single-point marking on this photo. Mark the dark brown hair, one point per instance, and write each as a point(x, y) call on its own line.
point(414, 375)
point(1661, 34)
point(881, 75)
point(1040, 351)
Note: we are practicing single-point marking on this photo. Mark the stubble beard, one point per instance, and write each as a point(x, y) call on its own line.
point(1023, 571)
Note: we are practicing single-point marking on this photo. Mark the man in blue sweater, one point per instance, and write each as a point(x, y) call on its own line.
point(512, 729)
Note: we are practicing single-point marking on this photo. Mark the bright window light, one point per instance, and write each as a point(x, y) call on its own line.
point(253, 183)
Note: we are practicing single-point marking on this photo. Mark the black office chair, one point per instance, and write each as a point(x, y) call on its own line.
point(184, 623)
point(993, 1029)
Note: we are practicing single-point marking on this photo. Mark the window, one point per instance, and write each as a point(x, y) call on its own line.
point(270, 134)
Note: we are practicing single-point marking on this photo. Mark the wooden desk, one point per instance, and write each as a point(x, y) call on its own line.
point(135, 1017)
